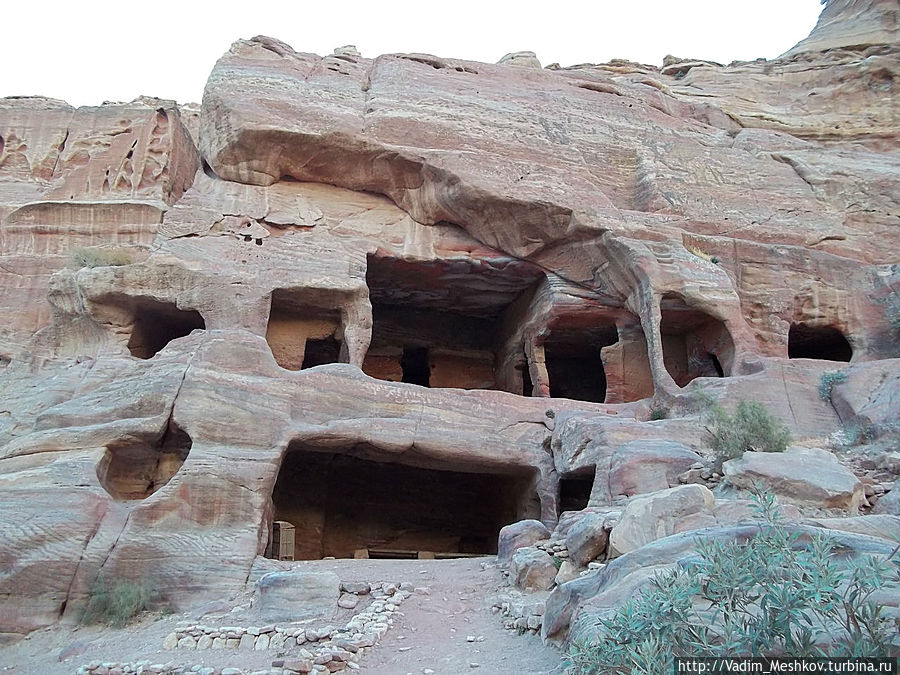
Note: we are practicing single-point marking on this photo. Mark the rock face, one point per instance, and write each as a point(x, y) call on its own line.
point(532, 569)
point(655, 516)
point(799, 475)
point(411, 280)
point(519, 535)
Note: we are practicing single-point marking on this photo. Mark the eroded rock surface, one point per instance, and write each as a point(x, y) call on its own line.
point(412, 279)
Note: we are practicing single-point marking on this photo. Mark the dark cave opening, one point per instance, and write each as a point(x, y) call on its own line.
point(300, 334)
point(823, 342)
point(575, 490)
point(438, 323)
point(577, 376)
point(694, 343)
point(322, 351)
point(396, 510)
point(415, 367)
point(156, 324)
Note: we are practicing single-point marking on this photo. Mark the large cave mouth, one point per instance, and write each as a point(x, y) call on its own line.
point(133, 469)
point(823, 342)
point(694, 343)
point(344, 506)
point(156, 324)
point(438, 323)
point(300, 334)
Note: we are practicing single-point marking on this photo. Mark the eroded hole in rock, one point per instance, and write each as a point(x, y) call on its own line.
point(135, 470)
point(415, 366)
point(300, 334)
point(694, 343)
point(345, 506)
point(822, 342)
point(574, 363)
point(450, 312)
point(156, 324)
point(575, 490)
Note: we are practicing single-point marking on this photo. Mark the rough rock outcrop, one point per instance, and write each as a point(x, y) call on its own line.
point(519, 535)
point(799, 475)
point(411, 279)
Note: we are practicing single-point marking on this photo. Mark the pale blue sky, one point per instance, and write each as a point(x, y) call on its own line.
point(89, 51)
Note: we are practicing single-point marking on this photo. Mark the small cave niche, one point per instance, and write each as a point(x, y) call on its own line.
point(574, 364)
point(131, 470)
point(415, 366)
point(818, 342)
point(575, 490)
point(694, 343)
point(300, 334)
point(156, 324)
point(438, 323)
point(346, 506)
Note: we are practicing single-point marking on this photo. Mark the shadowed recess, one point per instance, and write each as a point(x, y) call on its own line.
point(135, 470)
point(156, 324)
point(822, 342)
point(341, 504)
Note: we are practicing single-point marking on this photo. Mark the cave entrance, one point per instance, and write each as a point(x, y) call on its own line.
point(415, 366)
point(135, 470)
point(300, 334)
point(438, 323)
point(341, 505)
point(156, 324)
point(575, 490)
point(822, 342)
point(574, 363)
point(694, 343)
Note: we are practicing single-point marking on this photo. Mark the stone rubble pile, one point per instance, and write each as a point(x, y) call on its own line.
point(312, 649)
point(520, 613)
point(701, 474)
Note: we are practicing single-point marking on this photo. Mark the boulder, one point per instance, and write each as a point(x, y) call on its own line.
point(522, 59)
point(883, 526)
point(297, 595)
point(518, 535)
point(890, 502)
point(532, 569)
point(650, 517)
point(805, 476)
point(587, 539)
point(639, 467)
point(567, 572)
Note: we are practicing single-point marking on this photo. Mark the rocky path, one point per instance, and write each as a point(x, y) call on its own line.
point(446, 627)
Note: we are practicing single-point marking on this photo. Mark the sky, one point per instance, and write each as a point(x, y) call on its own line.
point(90, 51)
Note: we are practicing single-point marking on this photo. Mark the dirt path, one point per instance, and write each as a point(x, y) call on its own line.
point(432, 635)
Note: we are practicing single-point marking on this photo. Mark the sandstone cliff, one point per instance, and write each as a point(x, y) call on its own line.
point(479, 276)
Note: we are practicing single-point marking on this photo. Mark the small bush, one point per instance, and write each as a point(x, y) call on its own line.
point(751, 427)
point(768, 596)
point(853, 434)
point(659, 413)
point(829, 381)
point(116, 603)
point(99, 257)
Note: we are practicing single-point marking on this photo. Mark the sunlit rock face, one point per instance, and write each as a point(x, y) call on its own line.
point(461, 283)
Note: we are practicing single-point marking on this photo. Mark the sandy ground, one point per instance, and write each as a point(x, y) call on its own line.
point(431, 635)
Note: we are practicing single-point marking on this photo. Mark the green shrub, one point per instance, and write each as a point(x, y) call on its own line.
point(99, 257)
point(828, 381)
point(751, 427)
point(768, 596)
point(659, 413)
point(116, 603)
